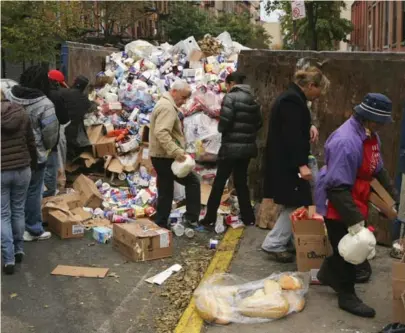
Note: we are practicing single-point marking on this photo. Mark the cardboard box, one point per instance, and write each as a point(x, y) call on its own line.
point(144, 159)
point(398, 291)
point(65, 224)
point(106, 146)
point(382, 226)
point(89, 194)
point(382, 200)
point(67, 201)
point(312, 246)
point(94, 134)
point(144, 133)
point(142, 240)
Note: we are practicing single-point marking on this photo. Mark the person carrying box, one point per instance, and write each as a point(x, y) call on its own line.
point(342, 191)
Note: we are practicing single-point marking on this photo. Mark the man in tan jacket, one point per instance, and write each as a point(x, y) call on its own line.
point(166, 144)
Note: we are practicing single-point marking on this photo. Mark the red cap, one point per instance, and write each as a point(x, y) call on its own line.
point(57, 76)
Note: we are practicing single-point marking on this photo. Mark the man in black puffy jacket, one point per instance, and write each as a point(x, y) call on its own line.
point(240, 120)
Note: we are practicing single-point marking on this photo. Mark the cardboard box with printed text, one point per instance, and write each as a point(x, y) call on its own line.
point(142, 240)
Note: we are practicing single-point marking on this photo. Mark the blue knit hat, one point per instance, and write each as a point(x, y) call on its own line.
point(375, 107)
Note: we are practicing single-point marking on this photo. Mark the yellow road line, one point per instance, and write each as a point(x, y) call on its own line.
point(190, 321)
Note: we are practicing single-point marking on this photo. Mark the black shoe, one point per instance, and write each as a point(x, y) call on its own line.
point(363, 272)
point(19, 258)
point(283, 257)
point(209, 226)
point(8, 269)
point(326, 278)
point(352, 304)
point(190, 224)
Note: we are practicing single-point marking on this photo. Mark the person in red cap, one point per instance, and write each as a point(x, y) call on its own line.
point(57, 157)
point(57, 76)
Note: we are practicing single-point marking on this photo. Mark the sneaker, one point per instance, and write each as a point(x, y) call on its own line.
point(29, 238)
point(283, 257)
point(354, 305)
point(19, 257)
point(363, 272)
point(8, 269)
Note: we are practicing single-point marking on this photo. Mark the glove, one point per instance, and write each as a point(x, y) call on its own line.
point(356, 228)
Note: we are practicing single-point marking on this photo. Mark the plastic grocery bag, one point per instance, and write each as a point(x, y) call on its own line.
point(182, 169)
point(355, 249)
point(226, 298)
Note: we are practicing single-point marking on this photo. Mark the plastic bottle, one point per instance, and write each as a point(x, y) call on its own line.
point(178, 229)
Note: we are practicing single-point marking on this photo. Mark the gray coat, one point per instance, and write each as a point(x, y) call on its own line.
point(41, 111)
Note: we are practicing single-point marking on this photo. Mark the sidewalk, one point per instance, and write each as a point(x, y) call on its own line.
point(321, 314)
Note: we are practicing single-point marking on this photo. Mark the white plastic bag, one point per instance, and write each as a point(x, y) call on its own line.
point(225, 298)
point(355, 249)
point(182, 169)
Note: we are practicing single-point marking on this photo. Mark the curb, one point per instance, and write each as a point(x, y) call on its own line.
point(190, 321)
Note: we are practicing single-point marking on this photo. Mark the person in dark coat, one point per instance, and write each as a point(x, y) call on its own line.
point(77, 104)
point(288, 148)
point(18, 154)
point(240, 120)
point(57, 81)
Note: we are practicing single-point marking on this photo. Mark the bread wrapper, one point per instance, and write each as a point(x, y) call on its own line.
point(226, 298)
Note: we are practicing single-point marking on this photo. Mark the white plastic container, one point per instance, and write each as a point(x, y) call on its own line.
point(182, 169)
point(356, 249)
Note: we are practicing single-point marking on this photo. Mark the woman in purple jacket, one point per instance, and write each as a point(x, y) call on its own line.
point(352, 160)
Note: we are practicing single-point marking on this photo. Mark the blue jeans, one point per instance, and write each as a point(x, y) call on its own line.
point(51, 174)
point(33, 216)
point(14, 185)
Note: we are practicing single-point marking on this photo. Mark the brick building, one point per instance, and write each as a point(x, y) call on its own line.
point(378, 26)
point(239, 7)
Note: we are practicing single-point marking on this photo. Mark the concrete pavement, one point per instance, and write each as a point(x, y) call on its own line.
point(321, 314)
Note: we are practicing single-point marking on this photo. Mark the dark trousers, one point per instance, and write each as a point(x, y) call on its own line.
point(165, 187)
point(239, 170)
point(344, 273)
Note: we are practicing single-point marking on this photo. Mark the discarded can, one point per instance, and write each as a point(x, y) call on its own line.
point(189, 232)
point(178, 229)
point(213, 243)
point(122, 176)
point(118, 219)
point(150, 211)
point(231, 219)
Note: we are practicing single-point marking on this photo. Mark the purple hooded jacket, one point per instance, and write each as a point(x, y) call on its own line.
point(343, 158)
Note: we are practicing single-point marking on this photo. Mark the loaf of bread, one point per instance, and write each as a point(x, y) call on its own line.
point(259, 292)
point(271, 287)
point(268, 306)
point(213, 309)
point(296, 301)
point(288, 282)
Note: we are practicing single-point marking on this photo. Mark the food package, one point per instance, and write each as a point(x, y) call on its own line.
point(355, 249)
point(182, 169)
point(226, 298)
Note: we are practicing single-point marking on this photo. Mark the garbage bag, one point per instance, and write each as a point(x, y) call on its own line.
point(182, 169)
point(226, 298)
point(355, 249)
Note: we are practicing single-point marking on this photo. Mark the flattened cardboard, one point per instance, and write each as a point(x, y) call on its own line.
point(106, 146)
point(382, 206)
point(88, 159)
point(115, 166)
point(90, 196)
point(94, 134)
point(144, 159)
point(65, 224)
point(311, 243)
point(142, 240)
point(398, 288)
point(76, 271)
point(382, 193)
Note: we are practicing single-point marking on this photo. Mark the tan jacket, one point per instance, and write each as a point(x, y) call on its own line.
point(166, 138)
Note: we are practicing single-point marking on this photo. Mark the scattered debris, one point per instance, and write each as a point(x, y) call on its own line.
point(13, 295)
point(163, 276)
point(80, 271)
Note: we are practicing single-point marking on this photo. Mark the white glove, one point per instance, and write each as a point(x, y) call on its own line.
point(355, 229)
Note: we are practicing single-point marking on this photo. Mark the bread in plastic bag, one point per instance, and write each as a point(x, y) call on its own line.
point(182, 169)
point(356, 248)
point(226, 298)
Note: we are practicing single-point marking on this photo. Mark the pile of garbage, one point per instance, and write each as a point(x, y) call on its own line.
point(126, 93)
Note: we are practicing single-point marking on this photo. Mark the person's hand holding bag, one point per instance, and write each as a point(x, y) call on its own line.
point(181, 167)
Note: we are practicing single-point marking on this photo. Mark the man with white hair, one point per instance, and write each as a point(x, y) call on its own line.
point(166, 144)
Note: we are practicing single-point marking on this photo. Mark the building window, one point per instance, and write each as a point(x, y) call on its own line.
point(403, 21)
point(386, 23)
point(394, 23)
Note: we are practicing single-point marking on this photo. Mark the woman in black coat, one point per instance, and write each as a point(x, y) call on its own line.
point(240, 120)
point(288, 148)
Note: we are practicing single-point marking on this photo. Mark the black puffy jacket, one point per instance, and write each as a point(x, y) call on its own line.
point(240, 120)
